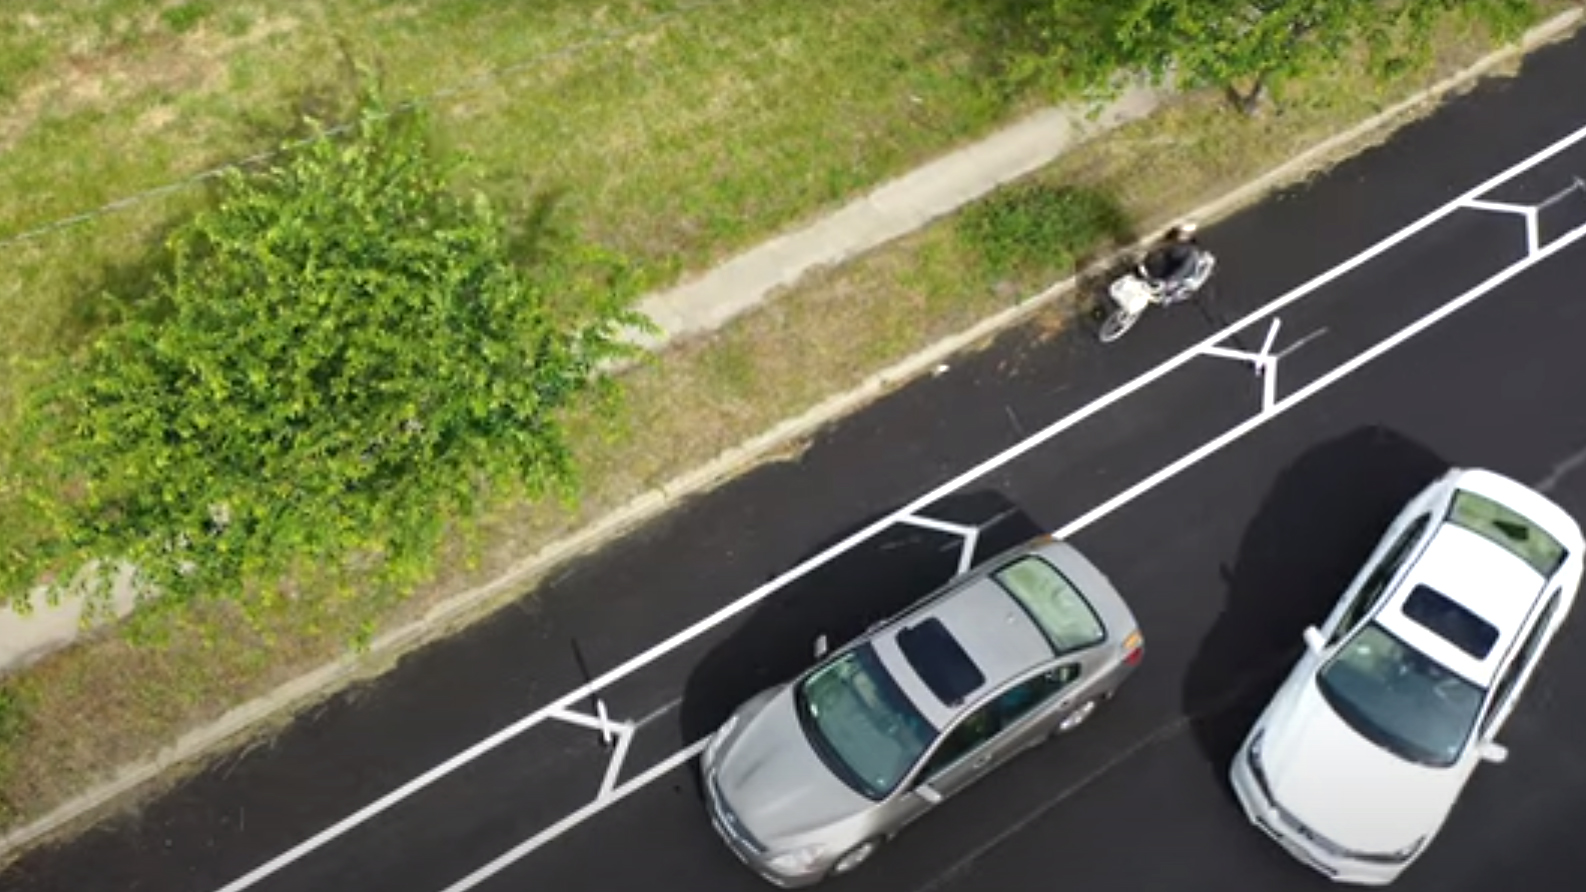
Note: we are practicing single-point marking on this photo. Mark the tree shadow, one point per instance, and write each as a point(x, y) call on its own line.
point(1314, 529)
point(122, 289)
point(1004, 34)
point(331, 100)
point(841, 600)
point(1097, 270)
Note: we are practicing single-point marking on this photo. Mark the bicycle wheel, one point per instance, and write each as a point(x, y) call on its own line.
point(1117, 324)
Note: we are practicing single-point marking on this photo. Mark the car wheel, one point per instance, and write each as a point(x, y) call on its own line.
point(855, 856)
point(1079, 716)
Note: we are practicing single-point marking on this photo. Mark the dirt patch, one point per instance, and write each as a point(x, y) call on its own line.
point(819, 338)
point(146, 65)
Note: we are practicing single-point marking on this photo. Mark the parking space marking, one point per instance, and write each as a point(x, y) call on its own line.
point(539, 840)
point(1530, 213)
point(558, 708)
point(1222, 441)
point(1268, 414)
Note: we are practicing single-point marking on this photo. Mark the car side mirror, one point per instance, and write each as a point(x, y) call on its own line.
point(822, 646)
point(928, 793)
point(1493, 751)
point(1314, 642)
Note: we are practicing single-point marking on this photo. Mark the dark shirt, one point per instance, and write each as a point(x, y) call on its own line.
point(1170, 261)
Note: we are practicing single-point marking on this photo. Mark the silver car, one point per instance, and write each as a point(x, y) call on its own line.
point(806, 780)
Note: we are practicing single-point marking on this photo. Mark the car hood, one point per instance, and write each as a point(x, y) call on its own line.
point(1347, 788)
point(775, 783)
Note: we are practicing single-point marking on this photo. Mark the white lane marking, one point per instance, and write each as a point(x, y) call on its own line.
point(573, 820)
point(1123, 498)
point(1299, 396)
point(1263, 362)
point(1533, 229)
point(601, 723)
point(614, 767)
point(727, 612)
point(941, 526)
point(968, 534)
point(605, 721)
point(1500, 207)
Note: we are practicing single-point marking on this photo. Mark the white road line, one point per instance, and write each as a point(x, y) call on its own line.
point(966, 555)
point(1533, 230)
point(1299, 396)
point(1263, 362)
point(1090, 517)
point(760, 593)
point(508, 858)
point(573, 717)
point(614, 767)
point(969, 534)
point(941, 526)
point(1500, 207)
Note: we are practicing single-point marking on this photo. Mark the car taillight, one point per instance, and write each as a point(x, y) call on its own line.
point(1133, 649)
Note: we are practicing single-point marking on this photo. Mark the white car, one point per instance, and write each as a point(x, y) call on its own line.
point(1359, 758)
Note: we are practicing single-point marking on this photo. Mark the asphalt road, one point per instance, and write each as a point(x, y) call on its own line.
point(1224, 564)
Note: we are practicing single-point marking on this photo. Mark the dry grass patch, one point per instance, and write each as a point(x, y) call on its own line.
point(83, 717)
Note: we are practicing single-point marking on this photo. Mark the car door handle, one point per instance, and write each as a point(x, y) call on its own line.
point(981, 762)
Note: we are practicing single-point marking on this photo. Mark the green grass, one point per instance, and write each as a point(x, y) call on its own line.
point(679, 143)
point(686, 184)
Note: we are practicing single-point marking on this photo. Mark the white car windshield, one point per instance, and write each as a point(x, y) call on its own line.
point(1400, 699)
point(861, 723)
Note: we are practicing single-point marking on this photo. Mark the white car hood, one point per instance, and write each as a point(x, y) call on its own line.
point(1346, 788)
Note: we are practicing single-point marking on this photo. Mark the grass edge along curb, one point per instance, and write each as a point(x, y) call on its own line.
point(462, 609)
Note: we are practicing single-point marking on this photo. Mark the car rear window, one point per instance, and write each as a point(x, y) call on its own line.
point(1461, 628)
point(1062, 614)
point(940, 661)
point(1509, 529)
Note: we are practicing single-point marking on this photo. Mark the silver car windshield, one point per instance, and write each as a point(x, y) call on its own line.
point(864, 727)
point(1398, 698)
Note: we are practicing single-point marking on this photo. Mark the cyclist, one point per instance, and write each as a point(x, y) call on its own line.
point(1167, 266)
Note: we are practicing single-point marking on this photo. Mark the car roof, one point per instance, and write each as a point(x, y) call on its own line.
point(1478, 575)
point(994, 632)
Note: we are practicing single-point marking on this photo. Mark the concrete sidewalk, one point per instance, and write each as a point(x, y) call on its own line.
point(705, 302)
point(709, 300)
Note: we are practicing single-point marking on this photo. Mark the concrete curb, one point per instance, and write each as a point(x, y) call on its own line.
point(287, 699)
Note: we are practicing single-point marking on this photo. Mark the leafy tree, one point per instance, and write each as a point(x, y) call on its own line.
point(343, 361)
point(1247, 46)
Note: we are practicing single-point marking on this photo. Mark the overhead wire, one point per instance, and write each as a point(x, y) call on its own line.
point(488, 78)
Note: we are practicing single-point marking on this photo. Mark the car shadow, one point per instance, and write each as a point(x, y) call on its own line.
point(840, 600)
point(1315, 527)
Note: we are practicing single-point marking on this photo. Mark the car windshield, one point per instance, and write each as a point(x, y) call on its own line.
point(1509, 529)
point(1398, 698)
point(1062, 614)
point(862, 724)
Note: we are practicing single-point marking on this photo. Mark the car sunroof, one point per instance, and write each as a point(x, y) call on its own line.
point(1461, 628)
point(940, 661)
